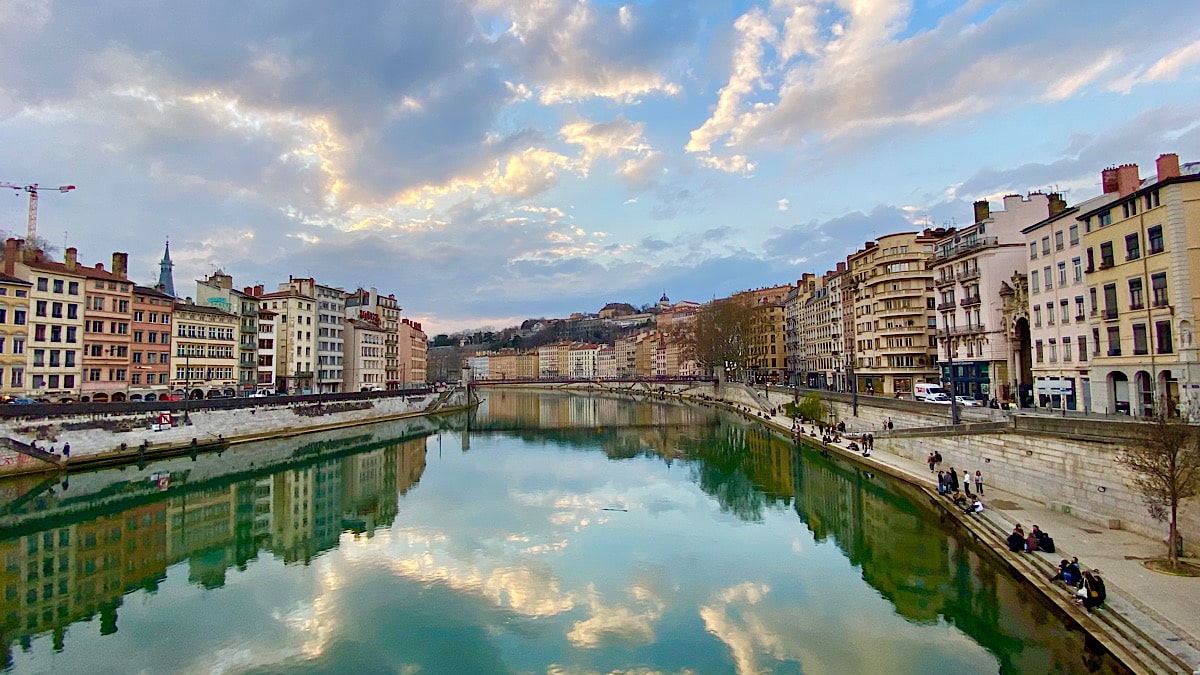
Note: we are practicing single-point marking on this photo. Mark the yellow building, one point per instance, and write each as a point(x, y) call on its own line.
point(205, 349)
point(14, 330)
point(895, 320)
point(1142, 252)
point(766, 350)
point(54, 367)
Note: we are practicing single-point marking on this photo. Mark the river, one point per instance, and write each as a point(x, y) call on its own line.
point(544, 533)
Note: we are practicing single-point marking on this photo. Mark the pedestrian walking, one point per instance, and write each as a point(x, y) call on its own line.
point(978, 482)
point(67, 450)
point(953, 479)
point(932, 461)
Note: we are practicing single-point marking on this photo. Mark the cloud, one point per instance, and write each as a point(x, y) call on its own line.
point(783, 204)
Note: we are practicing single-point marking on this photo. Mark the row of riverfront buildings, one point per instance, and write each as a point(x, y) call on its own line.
point(1086, 306)
point(73, 332)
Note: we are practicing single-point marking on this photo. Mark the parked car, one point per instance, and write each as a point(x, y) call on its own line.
point(930, 392)
point(21, 400)
point(968, 401)
point(940, 399)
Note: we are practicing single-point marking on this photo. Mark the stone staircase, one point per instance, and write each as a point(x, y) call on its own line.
point(30, 451)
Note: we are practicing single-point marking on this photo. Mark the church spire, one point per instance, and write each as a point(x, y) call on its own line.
point(166, 280)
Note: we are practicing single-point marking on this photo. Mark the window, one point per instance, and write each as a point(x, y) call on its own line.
point(72, 310)
point(1062, 274)
point(1140, 339)
point(1083, 355)
point(58, 286)
point(1110, 301)
point(1073, 234)
point(40, 308)
point(1158, 285)
point(1058, 240)
point(19, 317)
point(43, 284)
point(1033, 281)
point(1104, 219)
point(1065, 310)
point(1154, 239)
point(1049, 313)
point(1114, 340)
point(1106, 255)
point(1040, 352)
point(71, 332)
point(1133, 247)
point(1079, 308)
point(73, 288)
point(1046, 245)
point(1162, 333)
point(1037, 315)
point(1066, 349)
point(56, 333)
point(1033, 250)
point(1078, 265)
point(139, 315)
point(1048, 277)
point(1137, 299)
point(56, 310)
point(1053, 351)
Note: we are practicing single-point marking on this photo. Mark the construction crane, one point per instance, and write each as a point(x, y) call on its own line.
point(33, 190)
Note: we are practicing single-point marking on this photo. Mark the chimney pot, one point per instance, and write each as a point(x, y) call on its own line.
point(70, 258)
point(1057, 204)
point(120, 264)
point(1128, 179)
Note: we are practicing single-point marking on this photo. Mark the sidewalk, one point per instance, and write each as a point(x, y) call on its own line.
point(1166, 608)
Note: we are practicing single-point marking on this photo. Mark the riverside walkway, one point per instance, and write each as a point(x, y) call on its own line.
point(1153, 617)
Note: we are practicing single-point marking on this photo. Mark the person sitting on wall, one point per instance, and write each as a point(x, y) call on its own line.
point(1093, 593)
point(959, 499)
point(976, 507)
point(866, 451)
point(1063, 574)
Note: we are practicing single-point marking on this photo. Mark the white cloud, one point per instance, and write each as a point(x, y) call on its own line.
point(1167, 68)
point(783, 204)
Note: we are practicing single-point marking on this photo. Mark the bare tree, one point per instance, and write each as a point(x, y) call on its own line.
point(718, 336)
point(1166, 470)
point(38, 243)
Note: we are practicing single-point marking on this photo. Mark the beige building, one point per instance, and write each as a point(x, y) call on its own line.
point(217, 291)
point(895, 321)
point(265, 380)
point(388, 311)
point(205, 349)
point(14, 330)
point(150, 369)
point(295, 338)
point(329, 314)
point(766, 351)
point(969, 268)
point(54, 346)
point(365, 355)
point(1142, 250)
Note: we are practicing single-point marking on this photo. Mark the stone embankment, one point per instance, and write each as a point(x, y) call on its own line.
point(100, 438)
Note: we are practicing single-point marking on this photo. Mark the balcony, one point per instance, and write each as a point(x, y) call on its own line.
point(903, 330)
point(943, 306)
point(968, 275)
point(966, 330)
point(943, 282)
point(971, 301)
point(1110, 314)
point(965, 247)
point(1114, 352)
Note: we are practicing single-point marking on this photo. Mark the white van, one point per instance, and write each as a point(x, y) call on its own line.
point(930, 392)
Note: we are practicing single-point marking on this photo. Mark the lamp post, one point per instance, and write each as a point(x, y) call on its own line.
point(853, 383)
point(953, 391)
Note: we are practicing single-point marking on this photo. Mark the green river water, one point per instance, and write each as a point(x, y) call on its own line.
point(545, 533)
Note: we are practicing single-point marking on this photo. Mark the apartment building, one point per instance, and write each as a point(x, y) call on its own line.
point(606, 362)
point(329, 314)
point(295, 339)
point(365, 356)
point(1142, 249)
point(1055, 324)
point(388, 311)
point(107, 336)
point(581, 361)
point(969, 267)
point(895, 320)
point(765, 351)
point(413, 353)
point(150, 348)
point(205, 349)
point(14, 329)
point(841, 325)
point(265, 379)
point(816, 327)
point(54, 344)
point(793, 344)
point(217, 290)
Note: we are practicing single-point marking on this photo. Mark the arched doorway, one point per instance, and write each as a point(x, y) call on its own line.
point(100, 398)
point(197, 395)
point(151, 397)
point(1145, 393)
point(1168, 391)
point(1023, 367)
point(1118, 392)
point(118, 397)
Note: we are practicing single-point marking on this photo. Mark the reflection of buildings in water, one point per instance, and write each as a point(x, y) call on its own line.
point(66, 574)
point(201, 530)
point(368, 490)
point(507, 408)
point(410, 464)
point(515, 406)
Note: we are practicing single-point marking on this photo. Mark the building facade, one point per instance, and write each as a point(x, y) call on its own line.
point(295, 341)
point(14, 330)
point(54, 345)
point(205, 349)
point(150, 358)
point(969, 267)
point(329, 313)
point(365, 358)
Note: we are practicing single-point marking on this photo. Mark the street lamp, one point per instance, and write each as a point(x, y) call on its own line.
point(853, 383)
point(953, 390)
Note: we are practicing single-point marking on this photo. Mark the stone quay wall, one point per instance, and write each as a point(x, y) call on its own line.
point(1069, 464)
point(119, 433)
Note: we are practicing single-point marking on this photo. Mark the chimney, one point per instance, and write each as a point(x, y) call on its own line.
point(983, 210)
point(11, 248)
point(69, 258)
point(1108, 179)
point(1168, 166)
point(1128, 179)
point(259, 290)
point(120, 265)
point(1057, 204)
point(841, 267)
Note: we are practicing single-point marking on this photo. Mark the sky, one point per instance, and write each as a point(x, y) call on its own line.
point(489, 161)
